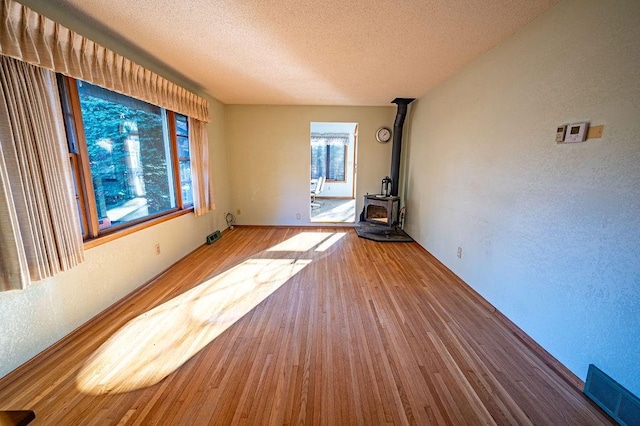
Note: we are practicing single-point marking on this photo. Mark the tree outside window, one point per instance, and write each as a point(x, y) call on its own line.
point(130, 163)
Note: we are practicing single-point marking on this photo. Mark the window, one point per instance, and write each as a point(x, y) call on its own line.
point(329, 155)
point(184, 160)
point(130, 158)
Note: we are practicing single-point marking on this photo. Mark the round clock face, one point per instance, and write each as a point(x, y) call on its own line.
point(383, 135)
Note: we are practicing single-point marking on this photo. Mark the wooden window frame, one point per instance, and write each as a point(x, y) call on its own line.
point(92, 234)
point(177, 159)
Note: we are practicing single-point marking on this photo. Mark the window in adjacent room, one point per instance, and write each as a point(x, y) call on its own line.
point(329, 155)
point(333, 147)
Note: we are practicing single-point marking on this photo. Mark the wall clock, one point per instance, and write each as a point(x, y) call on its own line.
point(383, 134)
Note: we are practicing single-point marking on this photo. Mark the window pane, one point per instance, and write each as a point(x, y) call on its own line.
point(182, 130)
point(129, 155)
point(185, 182)
point(336, 162)
point(183, 147)
point(318, 161)
point(182, 125)
point(328, 155)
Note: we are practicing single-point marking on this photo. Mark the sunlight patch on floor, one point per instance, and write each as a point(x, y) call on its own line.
point(156, 343)
point(153, 345)
point(334, 238)
point(304, 241)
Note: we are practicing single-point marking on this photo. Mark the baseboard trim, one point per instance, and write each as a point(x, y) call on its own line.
point(45, 354)
point(549, 360)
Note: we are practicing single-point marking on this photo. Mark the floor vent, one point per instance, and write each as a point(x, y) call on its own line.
point(617, 401)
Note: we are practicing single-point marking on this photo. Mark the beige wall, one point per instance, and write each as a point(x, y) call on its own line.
point(269, 153)
point(550, 233)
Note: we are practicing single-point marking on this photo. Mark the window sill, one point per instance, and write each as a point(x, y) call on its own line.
point(94, 242)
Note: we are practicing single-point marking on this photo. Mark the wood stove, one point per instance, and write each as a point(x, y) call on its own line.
point(379, 220)
point(382, 211)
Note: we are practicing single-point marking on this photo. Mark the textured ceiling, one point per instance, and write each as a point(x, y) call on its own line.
point(310, 52)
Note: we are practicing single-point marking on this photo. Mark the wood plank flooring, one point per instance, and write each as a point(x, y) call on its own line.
point(298, 326)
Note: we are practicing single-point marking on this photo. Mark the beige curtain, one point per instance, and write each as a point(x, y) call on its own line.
point(14, 271)
point(203, 200)
point(33, 38)
point(39, 225)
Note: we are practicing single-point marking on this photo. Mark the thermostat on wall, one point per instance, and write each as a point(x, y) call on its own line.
point(576, 132)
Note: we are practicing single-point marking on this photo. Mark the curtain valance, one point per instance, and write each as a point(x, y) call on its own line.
point(36, 39)
point(336, 139)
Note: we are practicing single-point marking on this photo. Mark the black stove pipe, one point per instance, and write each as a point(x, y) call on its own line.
point(397, 142)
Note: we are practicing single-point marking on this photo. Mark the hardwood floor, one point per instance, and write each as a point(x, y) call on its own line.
point(305, 326)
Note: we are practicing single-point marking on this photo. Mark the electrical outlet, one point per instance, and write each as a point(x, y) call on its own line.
point(238, 212)
point(157, 248)
point(298, 216)
point(459, 253)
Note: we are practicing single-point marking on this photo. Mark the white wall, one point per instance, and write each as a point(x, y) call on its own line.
point(550, 233)
point(269, 150)
point(35, 318)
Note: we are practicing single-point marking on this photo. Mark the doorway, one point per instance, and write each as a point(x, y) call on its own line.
point(333, 169)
